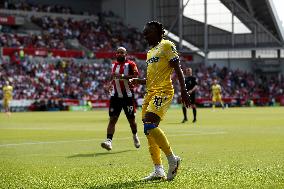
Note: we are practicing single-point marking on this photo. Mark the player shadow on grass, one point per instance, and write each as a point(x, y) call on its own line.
point(98, 154)
point(176, 123)
point(129, 184)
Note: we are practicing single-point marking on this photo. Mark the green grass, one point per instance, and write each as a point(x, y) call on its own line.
point(232, 148)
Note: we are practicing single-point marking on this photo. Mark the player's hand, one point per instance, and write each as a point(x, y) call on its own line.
point(137, 81)
point(185, 98)
point(134, 81)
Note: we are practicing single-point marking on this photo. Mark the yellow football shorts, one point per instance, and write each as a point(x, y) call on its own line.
point(157, 102)
point(6, 102)
point(216, 98)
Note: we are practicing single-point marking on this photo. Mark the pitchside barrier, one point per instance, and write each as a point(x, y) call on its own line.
point(86, 105)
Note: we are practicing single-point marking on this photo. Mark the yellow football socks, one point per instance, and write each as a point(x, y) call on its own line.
point(154, 150)
point(161, 140)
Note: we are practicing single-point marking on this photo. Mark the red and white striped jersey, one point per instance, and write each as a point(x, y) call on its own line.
point(121, 87)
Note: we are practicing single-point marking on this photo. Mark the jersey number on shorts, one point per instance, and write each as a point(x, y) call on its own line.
point(158, 101)
point(130, 109)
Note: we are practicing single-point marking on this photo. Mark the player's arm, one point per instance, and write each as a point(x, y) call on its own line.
point(174, 63)
point(107, 86)
point(122, 76)
point(194, 88)
point(171, 55)
point(133, 73)
point(137, 81)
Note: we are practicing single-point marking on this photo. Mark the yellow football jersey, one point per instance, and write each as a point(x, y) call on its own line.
point(216, 90)
point(8, 92)
point(159, 70)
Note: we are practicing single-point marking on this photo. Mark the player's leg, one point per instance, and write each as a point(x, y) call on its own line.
point(114, 112)
point(184, 111)
point(213, 103)
point(6, 107)
point(130, 111)
point(154, 149)
point(4, 104)
point(151, 128)
point(221, 101)
point(193, 106)
point(111, 126)
point(155, 153)
point(194, 112)
point(156, 110)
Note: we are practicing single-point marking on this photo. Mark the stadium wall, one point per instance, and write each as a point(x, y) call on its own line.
point(234, 64)
point(77, 6)
point(267, 65)
point(282, 66)
point(133, 12)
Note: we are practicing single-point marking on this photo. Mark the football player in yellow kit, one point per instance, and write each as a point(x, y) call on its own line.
point(216, 94)
point(7, 97)
point(162, 60)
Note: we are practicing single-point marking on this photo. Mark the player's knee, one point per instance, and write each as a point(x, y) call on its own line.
point(133, 124)
point(149, 126)
point(113, 119)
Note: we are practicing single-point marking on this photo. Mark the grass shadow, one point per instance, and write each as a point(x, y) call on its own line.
point(129, 184)
point(176, 123)
point(97, 154)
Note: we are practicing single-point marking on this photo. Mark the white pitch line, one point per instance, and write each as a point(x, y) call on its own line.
point(88, 140)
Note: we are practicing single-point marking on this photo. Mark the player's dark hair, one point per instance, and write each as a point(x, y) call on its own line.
point(159, 26)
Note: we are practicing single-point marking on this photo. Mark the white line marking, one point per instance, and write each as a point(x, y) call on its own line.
point(88, 140)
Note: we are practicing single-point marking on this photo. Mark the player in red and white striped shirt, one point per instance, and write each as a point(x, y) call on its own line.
point(122, 96)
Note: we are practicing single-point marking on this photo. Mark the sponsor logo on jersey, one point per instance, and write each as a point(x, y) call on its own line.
point(153, 60)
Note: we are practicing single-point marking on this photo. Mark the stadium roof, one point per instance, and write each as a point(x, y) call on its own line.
point(264, 12)
point(259, 16)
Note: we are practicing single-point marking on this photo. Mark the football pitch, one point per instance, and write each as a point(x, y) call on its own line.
point(231, 148)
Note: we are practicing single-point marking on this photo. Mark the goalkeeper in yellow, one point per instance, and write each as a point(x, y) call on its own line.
point(216, 94)
point(162, 60)
point(7, 97)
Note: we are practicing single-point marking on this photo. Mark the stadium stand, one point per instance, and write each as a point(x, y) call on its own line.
point(58, 78)
point(34, 60)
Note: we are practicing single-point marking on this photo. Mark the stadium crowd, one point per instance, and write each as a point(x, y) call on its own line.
point(46, 78)
point(27, 5)
point(238, 84)
point(95, 35)
point(55, 78)
point(100, 34)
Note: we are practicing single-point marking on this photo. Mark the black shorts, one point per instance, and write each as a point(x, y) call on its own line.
point(127, 103)
point(192, 98)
